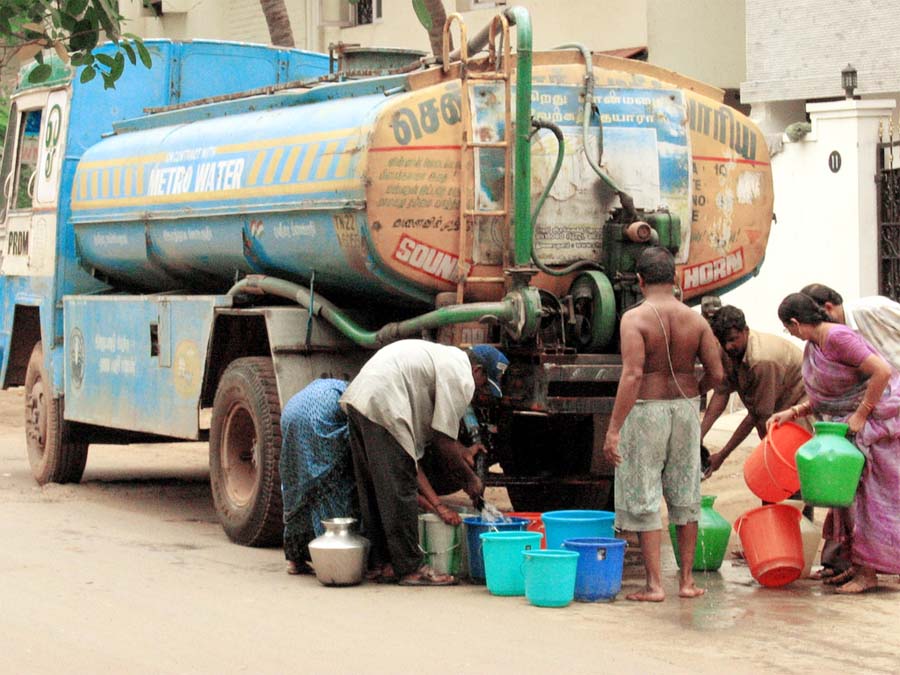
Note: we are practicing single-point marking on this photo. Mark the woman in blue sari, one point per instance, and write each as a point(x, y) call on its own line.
point(316, 470)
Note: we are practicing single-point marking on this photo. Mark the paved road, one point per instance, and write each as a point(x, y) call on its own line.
point(128, 572)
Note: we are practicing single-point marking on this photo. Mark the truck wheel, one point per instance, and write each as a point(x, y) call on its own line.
point(55, 456)
point(244, 447)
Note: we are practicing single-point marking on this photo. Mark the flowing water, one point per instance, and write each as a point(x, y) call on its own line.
point(491, 514)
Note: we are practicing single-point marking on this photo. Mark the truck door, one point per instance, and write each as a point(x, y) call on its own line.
point(30, 183)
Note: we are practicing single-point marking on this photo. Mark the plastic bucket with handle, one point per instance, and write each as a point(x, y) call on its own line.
point(535, 524)
point(770, 471)
point(441, 543)
point(562, 525)
point(502, 552)
point(772, 543)
point(599, 572)
point(550, 577)
point(475, 527)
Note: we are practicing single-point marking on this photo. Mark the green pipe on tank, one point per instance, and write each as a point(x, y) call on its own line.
point(518, 311)
point(523, 234)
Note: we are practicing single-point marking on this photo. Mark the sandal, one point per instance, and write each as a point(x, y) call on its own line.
point(428, 576)
point(841, 578)
point(822, 574)
point(382, 575)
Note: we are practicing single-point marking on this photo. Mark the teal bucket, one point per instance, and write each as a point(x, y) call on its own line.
point(475, 527)
point(550, 577)
point(562, 525)
point(502, 552)
point(600, 562)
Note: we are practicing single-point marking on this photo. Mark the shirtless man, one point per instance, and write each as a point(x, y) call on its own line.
point(654, 433)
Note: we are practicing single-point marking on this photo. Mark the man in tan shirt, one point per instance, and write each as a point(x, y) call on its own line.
point(763, 369)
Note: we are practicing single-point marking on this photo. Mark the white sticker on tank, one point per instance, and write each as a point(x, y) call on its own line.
point(291, 230)
point(749, 187)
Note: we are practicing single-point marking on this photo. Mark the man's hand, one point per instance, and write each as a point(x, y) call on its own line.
point(715, 461)
point(469, 453)
point(611, 448)
point(447, 514)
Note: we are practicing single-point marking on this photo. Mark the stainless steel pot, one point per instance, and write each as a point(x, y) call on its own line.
point(339, 556)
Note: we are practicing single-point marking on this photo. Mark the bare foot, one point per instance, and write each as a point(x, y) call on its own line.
point(647, 594)
point(690, 590)
point(292, 567)
point(862, 582)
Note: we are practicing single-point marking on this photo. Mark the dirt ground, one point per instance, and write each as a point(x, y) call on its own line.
point(129, 572)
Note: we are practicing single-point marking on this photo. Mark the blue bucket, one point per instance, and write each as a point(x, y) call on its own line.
point(562, 525)
point(475, 527)
point(550, 576)
point(600, 561)
point(502, 552)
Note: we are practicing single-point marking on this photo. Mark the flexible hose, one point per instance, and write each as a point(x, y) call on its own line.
point(560, 155)
point(504, 311)
point(587, 113)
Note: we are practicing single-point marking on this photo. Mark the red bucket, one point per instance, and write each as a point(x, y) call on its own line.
point(771, 471)
point(535, 524)
point(773, 545)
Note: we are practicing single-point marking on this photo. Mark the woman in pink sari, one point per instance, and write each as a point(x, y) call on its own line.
point(848, 381)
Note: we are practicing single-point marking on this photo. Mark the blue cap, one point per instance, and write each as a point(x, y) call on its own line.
point(494, 363)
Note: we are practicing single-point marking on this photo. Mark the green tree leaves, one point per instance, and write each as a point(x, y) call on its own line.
point(74, 29)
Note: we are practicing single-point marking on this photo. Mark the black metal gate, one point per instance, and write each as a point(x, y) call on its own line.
point(887, 179)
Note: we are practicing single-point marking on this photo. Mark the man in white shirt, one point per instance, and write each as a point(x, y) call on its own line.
point(411, 394)
point(876, 318)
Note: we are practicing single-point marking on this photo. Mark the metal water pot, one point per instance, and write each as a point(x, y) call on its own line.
point(339, 556)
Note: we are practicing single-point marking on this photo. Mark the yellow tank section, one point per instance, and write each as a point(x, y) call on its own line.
point(669, 141)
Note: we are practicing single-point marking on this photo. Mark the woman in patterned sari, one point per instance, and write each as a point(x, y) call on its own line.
point(316, 471)
point(848, 381)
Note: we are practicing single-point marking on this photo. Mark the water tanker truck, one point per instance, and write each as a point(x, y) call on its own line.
point(182, 254)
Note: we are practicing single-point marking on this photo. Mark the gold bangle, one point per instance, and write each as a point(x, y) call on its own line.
point(868, 406)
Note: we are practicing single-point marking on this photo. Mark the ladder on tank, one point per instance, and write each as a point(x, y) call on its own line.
point(493, 116)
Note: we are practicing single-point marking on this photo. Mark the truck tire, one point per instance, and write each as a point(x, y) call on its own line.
point(244, 448)
point(54, 454)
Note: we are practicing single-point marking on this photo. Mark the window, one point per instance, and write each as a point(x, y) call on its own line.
point(366, 11)
point(467, 5)
point(28, 158)
point(20, 160)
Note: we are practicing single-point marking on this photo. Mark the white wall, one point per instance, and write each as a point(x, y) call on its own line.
point(598, 24)
point(703, 39)
point(796, 49)
point(827, 222)
point(239, 20)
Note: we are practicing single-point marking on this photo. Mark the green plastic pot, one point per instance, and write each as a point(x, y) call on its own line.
point(713, 532)
point(829, 466)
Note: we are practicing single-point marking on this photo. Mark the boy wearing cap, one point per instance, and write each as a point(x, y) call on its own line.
point(409, 395)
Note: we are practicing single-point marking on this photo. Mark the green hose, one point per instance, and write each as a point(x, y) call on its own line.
point(560, 155)
point(516, 311)
point(587, 111)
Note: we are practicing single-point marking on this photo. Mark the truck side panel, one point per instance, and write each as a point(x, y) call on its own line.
point(136, 362)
